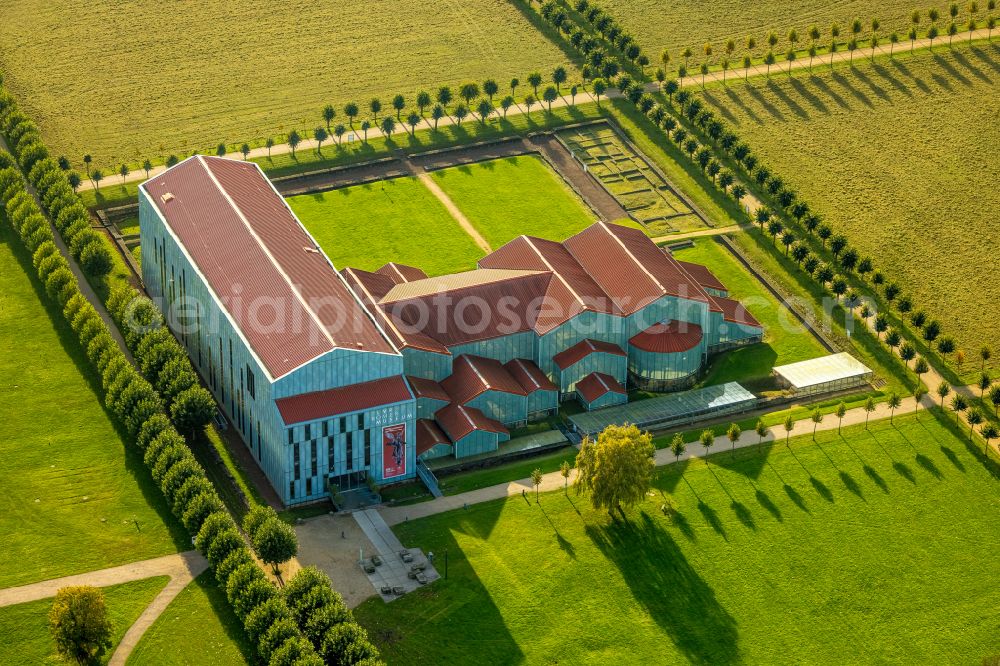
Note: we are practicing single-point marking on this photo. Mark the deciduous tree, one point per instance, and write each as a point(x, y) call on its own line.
point(616, 469)
point(79, 623)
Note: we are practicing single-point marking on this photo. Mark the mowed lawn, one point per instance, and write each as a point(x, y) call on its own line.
point(198, 622)
point(25, 627)
point(146, 79)
point(875, 547)
point(678, 25)
point(74, 498)
point(901, 156)
point(514, 196)
point(399, 220)
point(786, 340)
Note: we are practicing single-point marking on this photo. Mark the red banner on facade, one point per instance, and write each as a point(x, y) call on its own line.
point(393, 450)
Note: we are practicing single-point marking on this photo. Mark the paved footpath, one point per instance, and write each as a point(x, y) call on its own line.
point(802, 60)
point(181, 567)
point(393, 515)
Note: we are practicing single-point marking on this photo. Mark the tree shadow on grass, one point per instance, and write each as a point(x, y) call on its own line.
point(876, 478)
point(904, 471)
point(953, 458)
point(852, 485)
point(796, 498)
point(670, 590)
point(768, 505)
point(712, 518)
point(744, 515)
point(803, 90)
point(946, 65)
point(831, 93)
point(792, 105)
point(929, 465)
point(821, 488)
point(845, 83)
point(564, 543)
point(748, 461)
point(986, 57)
point(896, 84)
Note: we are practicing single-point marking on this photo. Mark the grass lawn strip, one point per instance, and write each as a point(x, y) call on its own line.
point(73, 492)
point(786, 340)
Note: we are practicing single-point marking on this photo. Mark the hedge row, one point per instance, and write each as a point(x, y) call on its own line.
point(135, 401)
point(787, 210)
point(273, 540)
point(57, 197)
point(136, 404)
point(161, 358)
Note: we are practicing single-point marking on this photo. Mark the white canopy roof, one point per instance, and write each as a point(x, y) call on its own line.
point(822, 370)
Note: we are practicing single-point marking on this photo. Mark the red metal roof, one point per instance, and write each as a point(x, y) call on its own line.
point(668, 338)
point(427, 388)
point(473, 375)
point(429, 435)
point(401, 272)
point(251, 250)
point(529, 376)
point(355, 398)
point(583, 349)
point(370, 288)
point(604, 268)
point(596, 384)
point(703, 275)
point(458, 421)
point(734, 311)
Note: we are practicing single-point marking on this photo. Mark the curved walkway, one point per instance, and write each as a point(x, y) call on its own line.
point(181, 567)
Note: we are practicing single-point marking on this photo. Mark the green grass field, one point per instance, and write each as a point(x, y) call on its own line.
point(25, 627)
point(874, 547)
point(405, 222)
point(72, 490)
point(682, 25)
point(146, 80)
point(509, 197)
point(900, 157)
point(786, 340)
point(198, 623)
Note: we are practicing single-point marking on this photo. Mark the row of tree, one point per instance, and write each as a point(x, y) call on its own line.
point(616, 469)
point(689, 120)
point(856, 30)
point(87, 246)
point(269, 619)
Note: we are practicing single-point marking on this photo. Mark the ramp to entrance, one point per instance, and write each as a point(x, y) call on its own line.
point(393, 577)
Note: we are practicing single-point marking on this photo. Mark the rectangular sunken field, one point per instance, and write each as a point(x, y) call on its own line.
point(624, 173)
point(515, 196)
point(126, 81)
point(366, 226)
point(901, 156)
